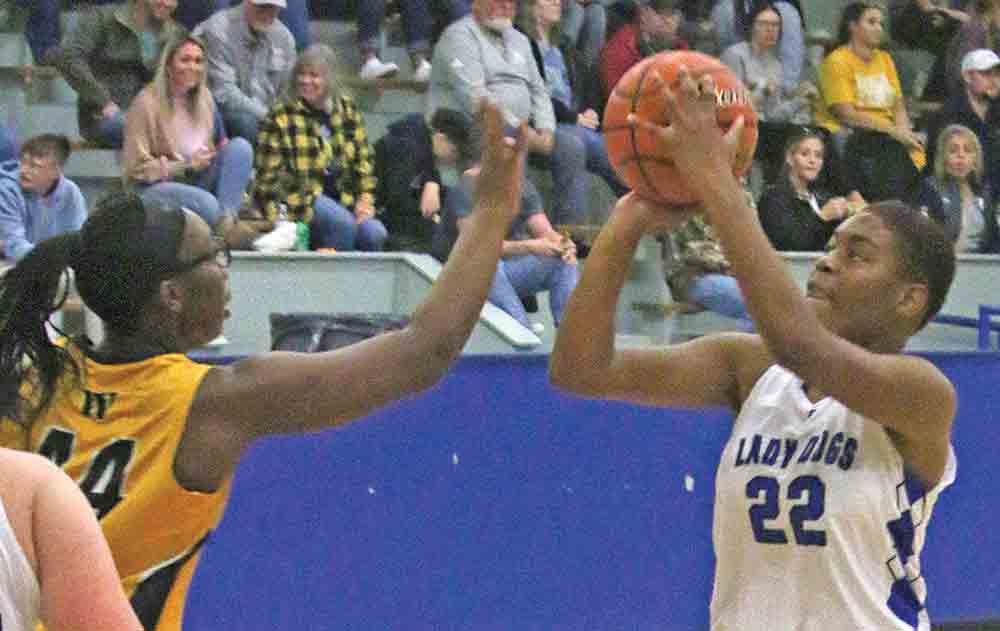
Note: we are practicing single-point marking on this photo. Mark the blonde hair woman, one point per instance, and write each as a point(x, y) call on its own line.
point(176, 150)
point(957, 196)
point(314, 158)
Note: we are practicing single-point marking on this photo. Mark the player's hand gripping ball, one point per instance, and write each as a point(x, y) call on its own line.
point(634, 151)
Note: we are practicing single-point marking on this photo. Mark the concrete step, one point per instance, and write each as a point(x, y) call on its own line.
point(94, 163)
point(14, 50)
point(95, 171)
point(13, 100)
point(52, 118)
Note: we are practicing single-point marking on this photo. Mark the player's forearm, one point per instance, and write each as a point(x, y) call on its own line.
point(773, 298)
point(584, 347)
point(456, 299)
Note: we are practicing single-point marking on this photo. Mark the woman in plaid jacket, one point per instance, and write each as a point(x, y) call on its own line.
point(313, 158)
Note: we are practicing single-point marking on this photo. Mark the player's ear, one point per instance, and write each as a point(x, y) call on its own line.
point(912, 301)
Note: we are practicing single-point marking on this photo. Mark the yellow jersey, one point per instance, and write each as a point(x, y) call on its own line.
point(116, 433)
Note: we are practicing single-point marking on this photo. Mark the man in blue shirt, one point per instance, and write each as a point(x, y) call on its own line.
point(36, 200)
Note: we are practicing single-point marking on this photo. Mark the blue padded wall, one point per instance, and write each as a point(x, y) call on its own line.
point(493, 502)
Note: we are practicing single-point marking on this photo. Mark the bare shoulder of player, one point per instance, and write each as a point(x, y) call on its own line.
point(750, 358)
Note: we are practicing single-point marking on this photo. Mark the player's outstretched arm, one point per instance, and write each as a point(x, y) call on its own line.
point(905, 393)
point(80, 587)
point(293, 392)
point(584, 359)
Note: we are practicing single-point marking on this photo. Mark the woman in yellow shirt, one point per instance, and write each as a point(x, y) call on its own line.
point(860, 90)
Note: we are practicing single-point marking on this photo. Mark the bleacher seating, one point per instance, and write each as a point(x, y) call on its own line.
point(645, 311)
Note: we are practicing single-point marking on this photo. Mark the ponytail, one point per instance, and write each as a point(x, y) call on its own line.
point(30, 364)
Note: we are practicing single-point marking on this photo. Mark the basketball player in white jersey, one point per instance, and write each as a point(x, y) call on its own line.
point(841, 443)
point(55, 565)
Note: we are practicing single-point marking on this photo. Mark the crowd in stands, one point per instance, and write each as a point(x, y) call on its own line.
point(228, 108)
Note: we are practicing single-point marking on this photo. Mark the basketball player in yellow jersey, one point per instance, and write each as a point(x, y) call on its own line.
point(152, 437)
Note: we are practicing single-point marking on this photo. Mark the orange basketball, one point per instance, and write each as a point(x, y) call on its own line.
point(633, 151)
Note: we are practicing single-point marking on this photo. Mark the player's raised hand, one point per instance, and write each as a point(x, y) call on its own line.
point(498, 187)
point(693, 139)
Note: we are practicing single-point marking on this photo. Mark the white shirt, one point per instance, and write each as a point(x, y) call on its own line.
point(817, 525)
point(20, 598)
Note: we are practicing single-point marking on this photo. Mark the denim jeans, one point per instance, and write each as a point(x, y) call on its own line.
point(583, 32)
point(240, 123)
point(720, 293)
point(578, 151)
point(416, 26)
point(42, 30)
point(216, 191)
point(444, 12)
point(190, 13)
point(333, 226)
point(524, 275)
point(110, 132)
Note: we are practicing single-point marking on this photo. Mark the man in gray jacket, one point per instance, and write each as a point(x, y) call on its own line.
point(250, 55)
point(483, 55)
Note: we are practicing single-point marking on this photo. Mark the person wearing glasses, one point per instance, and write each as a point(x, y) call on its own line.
point(36, 200)
point(154, 437)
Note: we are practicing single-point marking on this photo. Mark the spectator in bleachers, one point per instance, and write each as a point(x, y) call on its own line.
point(861, 103)
point(981, 31)
point(417, 25)
point(250, 58)
point(799, 213)
point(42, 23)
point(733, 21)
point(928, 25)
point(176, 151)
point(697, 270)
point(108, 59)
point(755, 62)
point(654, 27)
point(956, 194)
point(535, 257)
point(417, 162)
point(295, 16)
point(974, 107)
point(781, 110)
point(483, 55)
point(314, 164)
point(584, 23)
point(577, 129)
point(36, 200)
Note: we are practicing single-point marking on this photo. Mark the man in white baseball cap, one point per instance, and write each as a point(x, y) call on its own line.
point(250, 56)
point(980, 60)
point(975, 107)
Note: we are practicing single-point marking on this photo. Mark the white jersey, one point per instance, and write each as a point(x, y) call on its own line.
point(19, 595)
point(818, 526)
